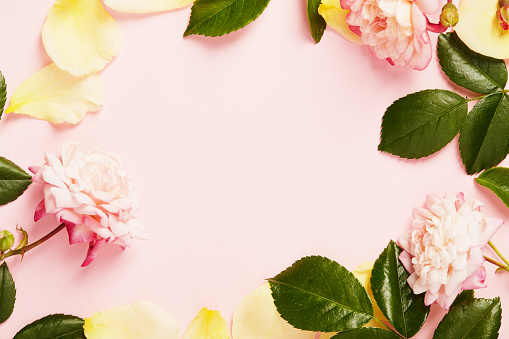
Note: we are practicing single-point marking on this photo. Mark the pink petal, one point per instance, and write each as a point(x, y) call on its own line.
point(40, 211)
point(79, 233)
point(430, 298)
point(69, 217)
point(427, 6)
point(405, 242)
point(93, 248)
point(491, 226)
point(476, 280)
point(406, 260)
point(34, 169)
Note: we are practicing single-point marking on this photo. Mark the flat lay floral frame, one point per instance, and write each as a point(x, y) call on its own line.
point(56, 148)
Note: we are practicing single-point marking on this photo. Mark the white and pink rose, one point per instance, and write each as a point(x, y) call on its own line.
point(442, 250)
point(92, 195)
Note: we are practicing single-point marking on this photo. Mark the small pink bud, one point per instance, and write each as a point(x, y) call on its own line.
point(449, 16)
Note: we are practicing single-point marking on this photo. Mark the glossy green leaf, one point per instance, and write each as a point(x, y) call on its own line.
point(318, 294)
point(220, 17)
point(477, 318)
point(467, 295)
point(404, 309)
point(473, 71)
point(367, 332)
point(53, 326)
point(13, 181)
point(484, 138)
point(421, 123)
point(3, 93)
point(317, 23)
point(7, 293)
point(497, 180)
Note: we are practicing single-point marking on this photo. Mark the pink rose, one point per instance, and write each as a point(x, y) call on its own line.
point(92, 195)
point(442, 250)
point(395, 30)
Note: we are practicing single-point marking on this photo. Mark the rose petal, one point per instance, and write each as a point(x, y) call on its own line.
point(93, 248)
point(142, 319)
point(145, 6)
point(491, 226)
point(56, 96)
point(335, 17)
point(207, 325)
point(80, 36)
point(479, 29)
point(79, 233)
point(256, 317)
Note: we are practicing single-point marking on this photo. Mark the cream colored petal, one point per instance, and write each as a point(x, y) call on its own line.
point(207, 325)
point(256, 317)
point(363, 273)
point(56, 96)
point(80, 36)
point(335, 17)
point(479, 29)
point(141, 319)
point(145, 6)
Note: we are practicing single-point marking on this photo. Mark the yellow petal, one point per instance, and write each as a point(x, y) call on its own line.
point(207, 325)
point(145, 6)
point(479, 29)
point(141, 319)
point(363, 273)
point(57, 96)
point(256, 317)
point(80, 36)
point(335, 17)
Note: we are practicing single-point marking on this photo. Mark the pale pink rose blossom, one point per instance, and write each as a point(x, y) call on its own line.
point(92, 195)
point(442, 250)
point(395, 30)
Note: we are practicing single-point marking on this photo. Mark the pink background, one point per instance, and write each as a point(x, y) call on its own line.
point(251, 150)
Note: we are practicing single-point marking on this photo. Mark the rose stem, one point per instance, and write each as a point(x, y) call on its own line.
point(496, 263)
point(498, 253)
point(27, 248)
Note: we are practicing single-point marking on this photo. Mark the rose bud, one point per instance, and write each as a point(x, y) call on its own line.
point(6, 240)
point(449, 16)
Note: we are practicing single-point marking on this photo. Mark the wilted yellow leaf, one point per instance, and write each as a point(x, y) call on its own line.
point(145, 6)
point(141, 319)
point(56, 96)
point(479, 29)
point(80, 36)
point(207, 325)
point(335, 17)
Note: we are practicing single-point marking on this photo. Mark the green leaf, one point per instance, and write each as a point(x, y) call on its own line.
point(421, 123)
point(317, 23)
point(54, 326)
point(404, 309)
point(367, 332)
point(477, 318)
point(7, 293)
point(484, 138)
point(318, 294)
point(466, 295)
point(497, 180)
point(13, 181)
point(3, 93)
point(473, 71)
point(220, 17)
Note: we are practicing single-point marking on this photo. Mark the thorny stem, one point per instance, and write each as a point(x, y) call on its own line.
point(28, 247)
point(498, 253)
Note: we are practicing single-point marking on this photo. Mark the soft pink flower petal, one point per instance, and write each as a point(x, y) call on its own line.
point(79, 233)
point(476, 280)
point(427, 6)
point(491, 226)
point(430, 298)
point(93, 248)
point(406, 260)
point(40, 211)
